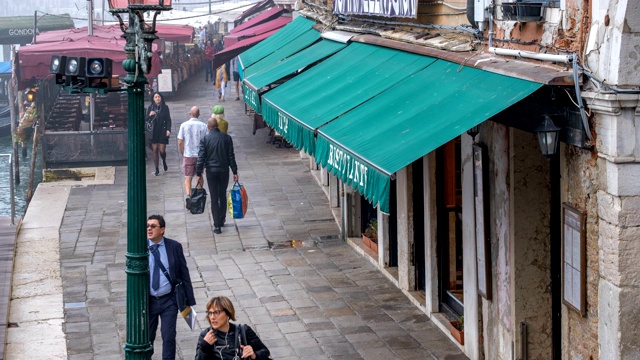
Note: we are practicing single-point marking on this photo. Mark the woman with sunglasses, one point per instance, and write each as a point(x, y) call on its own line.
point(224, 340)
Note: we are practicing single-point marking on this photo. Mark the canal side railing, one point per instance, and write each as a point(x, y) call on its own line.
point(12, 193)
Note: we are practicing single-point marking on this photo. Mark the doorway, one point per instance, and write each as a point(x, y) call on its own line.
point(449, 227)
point(418, 225)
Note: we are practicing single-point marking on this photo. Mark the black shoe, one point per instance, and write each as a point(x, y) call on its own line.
point(157, 172)
point(217, 231)
point(164, 164)
point(237, 99)
point(188, 203)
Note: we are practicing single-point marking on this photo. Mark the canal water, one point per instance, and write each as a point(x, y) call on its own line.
point(20, 190)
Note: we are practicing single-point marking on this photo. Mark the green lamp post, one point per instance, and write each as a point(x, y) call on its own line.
point(139, 36)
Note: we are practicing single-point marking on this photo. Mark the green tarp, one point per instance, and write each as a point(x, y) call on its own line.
point(303, 41)
point(19, 29)
point(274, 42)
point(286, 67)
point(408, 121)
point(342, 82)
point(368, 111)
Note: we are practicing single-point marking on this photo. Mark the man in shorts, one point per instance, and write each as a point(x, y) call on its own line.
point(189, 136)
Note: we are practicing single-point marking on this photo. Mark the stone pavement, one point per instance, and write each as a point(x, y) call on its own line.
point(318, 300)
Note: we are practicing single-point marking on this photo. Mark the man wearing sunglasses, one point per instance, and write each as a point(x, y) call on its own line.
point(162, 299)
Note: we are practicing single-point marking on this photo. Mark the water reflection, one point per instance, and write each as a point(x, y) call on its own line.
point(20, 190)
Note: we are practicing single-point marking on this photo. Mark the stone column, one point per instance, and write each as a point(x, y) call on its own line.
point(617, 123)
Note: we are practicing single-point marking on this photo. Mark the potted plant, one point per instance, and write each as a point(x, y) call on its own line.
point(370, 236)
point(457, 329)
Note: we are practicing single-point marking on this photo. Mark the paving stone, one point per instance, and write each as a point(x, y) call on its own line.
point(305, 302)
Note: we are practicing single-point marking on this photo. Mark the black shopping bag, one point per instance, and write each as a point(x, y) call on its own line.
point(198, 200)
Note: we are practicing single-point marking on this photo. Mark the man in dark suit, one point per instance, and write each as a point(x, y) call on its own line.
point(162, 299)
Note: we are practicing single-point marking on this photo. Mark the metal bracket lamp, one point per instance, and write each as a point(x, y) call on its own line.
point(473, 132)
point(548, 136)
point(145, 33)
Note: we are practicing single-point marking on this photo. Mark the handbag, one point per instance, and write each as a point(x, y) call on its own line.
point(237, 201)
point(148, 124)
point(198, 200)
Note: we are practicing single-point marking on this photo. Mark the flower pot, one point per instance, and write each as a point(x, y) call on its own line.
point(370, 243)
point(457, 334)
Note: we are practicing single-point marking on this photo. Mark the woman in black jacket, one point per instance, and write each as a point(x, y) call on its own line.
point(224, 340)
point(159, 117)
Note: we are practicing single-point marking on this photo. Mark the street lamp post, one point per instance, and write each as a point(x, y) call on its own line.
point(139, 37)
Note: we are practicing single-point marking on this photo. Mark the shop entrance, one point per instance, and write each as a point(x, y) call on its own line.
point(418, 225)
point(449, 228)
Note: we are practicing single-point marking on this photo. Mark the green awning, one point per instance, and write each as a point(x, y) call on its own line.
point(280, 70)
point(19, 29)
point(423, 112)
point(285, 35)
point(333, 87)
point(305, 40)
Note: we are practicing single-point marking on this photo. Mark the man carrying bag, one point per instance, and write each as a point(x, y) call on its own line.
point(170, 285)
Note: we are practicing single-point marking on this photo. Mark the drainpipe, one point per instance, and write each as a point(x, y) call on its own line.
point(471, 13)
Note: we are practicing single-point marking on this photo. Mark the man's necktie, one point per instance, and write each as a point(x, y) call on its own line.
point(155, 277)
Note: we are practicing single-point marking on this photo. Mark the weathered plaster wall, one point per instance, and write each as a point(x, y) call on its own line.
point(579, 188)
point(531, 206)
point(560, 32)
point(497, 314)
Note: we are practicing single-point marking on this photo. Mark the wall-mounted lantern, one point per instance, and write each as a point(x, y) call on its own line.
point(548, 136)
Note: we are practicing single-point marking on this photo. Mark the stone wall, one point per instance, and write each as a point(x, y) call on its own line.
point(579, 189)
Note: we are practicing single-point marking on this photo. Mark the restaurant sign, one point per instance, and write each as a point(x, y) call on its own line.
point(388, 8)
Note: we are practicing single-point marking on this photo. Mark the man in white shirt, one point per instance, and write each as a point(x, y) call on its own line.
point(189, 136)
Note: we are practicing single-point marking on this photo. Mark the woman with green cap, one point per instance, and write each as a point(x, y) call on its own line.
point(218, 114)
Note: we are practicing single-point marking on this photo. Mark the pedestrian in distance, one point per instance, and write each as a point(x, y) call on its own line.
point(162, 299)
point(159, 119)
point(218, 114)
point(223, 340)
point(221, 82)
point(190, 134)
point(209, 51)
point(236, 76)
point(217, 156)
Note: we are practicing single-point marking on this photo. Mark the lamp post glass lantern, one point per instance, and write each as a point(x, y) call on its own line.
point(125, 5)
point(548, 136)
point(139, 37)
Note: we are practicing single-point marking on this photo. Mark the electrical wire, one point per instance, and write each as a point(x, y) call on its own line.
point(605, 85)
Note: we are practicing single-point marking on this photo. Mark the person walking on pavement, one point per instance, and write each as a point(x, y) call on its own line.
point(223, 340)
point(162, 300)
point(159, 117)
point(216, 154)
point(189, 136)
point(209, 51)
point(221, 82)
point(236, 76)
point(218, 114)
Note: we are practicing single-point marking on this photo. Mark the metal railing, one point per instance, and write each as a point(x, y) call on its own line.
point(11, 190)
